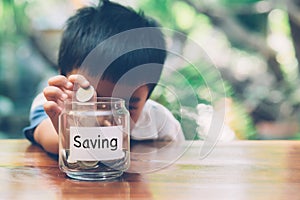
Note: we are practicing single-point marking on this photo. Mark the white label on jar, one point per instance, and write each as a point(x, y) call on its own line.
point(96, 143)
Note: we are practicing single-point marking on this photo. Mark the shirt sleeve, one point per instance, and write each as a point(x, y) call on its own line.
point(156, 122)
point(168, 127)
point(37, 115)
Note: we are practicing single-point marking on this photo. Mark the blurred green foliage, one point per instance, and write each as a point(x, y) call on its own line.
point(21, 68)
point(181, 16)
point(261, 40)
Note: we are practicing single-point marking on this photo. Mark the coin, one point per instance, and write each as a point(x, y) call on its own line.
point(88, 164)
point(85, 94)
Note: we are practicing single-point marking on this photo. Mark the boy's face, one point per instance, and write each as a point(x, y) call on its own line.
point(135, 98)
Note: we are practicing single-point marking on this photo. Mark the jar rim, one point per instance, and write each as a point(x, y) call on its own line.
point(98, 100)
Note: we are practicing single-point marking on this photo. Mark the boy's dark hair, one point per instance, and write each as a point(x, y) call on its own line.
point(92, 25)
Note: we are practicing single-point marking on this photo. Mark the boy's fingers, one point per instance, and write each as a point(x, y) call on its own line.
point(52, 109)
point(60, 81)
point(69, 93)
point(53, 93)
point(80, 80)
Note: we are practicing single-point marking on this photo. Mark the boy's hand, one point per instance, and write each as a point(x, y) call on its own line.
point(59, 89)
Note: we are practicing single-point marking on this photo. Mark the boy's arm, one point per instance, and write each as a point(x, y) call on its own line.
point(41, 131)
point(46, 135)
point(45, 111)
point(60, 88)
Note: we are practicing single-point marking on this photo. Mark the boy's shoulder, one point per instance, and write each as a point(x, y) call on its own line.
point(157, 111)
point(154, 104)
point(156, 122)
point(151, 103)
point(155, 107)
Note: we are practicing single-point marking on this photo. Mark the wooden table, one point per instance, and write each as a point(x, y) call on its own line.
point(235, 170)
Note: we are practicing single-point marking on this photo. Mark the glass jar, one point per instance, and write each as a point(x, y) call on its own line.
point(94, 139)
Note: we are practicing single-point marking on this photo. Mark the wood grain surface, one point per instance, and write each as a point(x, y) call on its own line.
point(235, 170)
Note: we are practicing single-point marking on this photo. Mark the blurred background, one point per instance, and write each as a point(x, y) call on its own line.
point(254, 44)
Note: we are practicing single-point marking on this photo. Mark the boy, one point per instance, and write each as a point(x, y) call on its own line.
point(85, 30)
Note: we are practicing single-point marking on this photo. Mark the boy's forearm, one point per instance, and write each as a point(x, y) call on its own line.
point(46, 135)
